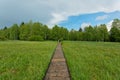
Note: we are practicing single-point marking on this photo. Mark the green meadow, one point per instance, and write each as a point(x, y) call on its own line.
point(93, 60)
point(24, 60)
point(29, 60)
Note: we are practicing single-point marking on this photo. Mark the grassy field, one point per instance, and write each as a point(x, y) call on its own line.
point(93, 60)
point(20, 60)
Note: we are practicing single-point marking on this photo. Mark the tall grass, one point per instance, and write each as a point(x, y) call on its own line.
point(22, 60)
point(93, 60)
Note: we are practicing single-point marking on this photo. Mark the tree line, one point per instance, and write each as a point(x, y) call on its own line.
point(36, 31)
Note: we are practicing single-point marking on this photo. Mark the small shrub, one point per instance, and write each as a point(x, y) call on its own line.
point(35, 38)
point(2, 38)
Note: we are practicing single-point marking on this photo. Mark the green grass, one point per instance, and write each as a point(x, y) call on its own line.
point(93, 60)
point(22, 60)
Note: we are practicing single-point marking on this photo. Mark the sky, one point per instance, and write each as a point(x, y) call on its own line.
point(59, 12)
point(94, 19)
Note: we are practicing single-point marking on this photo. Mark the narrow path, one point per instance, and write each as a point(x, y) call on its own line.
point(58, 68)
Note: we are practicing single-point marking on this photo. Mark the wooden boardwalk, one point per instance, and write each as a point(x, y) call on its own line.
point(58, 69)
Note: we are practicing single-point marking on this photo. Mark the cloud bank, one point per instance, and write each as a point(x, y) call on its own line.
point(50, 11)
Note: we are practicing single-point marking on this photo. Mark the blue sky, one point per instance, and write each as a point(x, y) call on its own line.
point(63, 12)
point(83, 20)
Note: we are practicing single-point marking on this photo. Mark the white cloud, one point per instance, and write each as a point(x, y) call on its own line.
point(109, 25)
point(83, 25)
point(57, 17)
point(76, 7)
point(102, 17)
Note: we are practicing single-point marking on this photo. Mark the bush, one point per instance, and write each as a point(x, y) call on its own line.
point(35, 38)
point(2, 38)
point(117, 39)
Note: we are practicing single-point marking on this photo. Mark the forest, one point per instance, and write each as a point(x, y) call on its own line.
point(36, 31)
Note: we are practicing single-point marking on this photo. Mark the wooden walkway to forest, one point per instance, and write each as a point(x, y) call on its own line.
point(58, 69)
